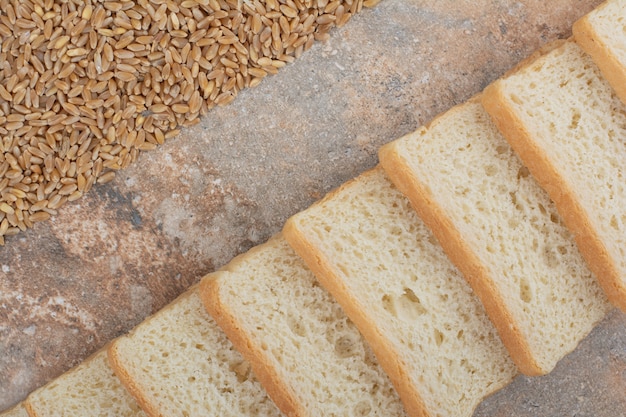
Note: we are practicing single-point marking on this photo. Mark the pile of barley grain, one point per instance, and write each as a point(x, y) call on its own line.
point(86, 85)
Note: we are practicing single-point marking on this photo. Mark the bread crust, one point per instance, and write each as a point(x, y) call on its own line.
point(462, 255)
point(613, 70)
point(33, 411)
point(550, 179)
point(135, 390)
point(29, 409)
point(282, 394)
point(329, 278)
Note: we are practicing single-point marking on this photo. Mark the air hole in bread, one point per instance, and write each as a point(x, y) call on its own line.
point(523, 172)
point(439, 337)
point(345, 346)
point(242, 370)
point(388, 305)
point(491, 170)
point(501, 150)
point(407, 306)
point(463, 148)
point(525, 292)
point(614, 223)
point(551, 257)
point(297, 327)
point(515, 99)
point(552, 128)
point(542, 209)
point(575, 120)
point(363, 408)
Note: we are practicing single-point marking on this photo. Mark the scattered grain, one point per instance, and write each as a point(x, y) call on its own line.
point(85, 86)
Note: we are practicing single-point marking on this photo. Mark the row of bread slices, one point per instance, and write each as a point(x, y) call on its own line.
point(486, 244)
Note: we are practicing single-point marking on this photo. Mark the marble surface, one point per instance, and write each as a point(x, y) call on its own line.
point(131, 246)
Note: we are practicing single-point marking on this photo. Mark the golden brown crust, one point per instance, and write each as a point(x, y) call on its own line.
point(542, 50)
point(550, 179)
point(329, 277)
point(116, 363)
point(274, 385)
point(461, 255)
point(610, 66)
point(29, 409)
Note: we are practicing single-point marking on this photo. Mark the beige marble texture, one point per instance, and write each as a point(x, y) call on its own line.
point(129, 247)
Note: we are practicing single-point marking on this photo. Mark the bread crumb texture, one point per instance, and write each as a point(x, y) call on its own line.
point(511, 225)
point(305, 335)
point(415, 298)
point(182, 364)
point(581, 126)
point(609, 24)
point(89, 389)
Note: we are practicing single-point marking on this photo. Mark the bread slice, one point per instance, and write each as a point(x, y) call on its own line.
point(569, 128)
point(502, 231)
point(90, 389)
point(18, 410)
point(428, 330)
point(600, 33)
point(179, 363)
point(305, 351)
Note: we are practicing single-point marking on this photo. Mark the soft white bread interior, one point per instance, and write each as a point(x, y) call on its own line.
point(178, 362)
point(568, 127)
point(600, 33)
point(90, 389)
point(502, 231)
point(309, 356)
point(429, 331)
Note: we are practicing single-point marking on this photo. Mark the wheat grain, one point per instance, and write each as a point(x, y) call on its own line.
point(85, 86)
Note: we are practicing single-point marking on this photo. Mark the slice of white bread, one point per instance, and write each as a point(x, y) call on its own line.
point(568, 127)
point(18, 410)
point(309, 356)
point(90, 389)
point(502, 231)
point(178, 362)
point(601, 34)
point(428, 330)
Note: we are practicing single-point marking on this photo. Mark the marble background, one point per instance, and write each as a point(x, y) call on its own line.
point(131, 246)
